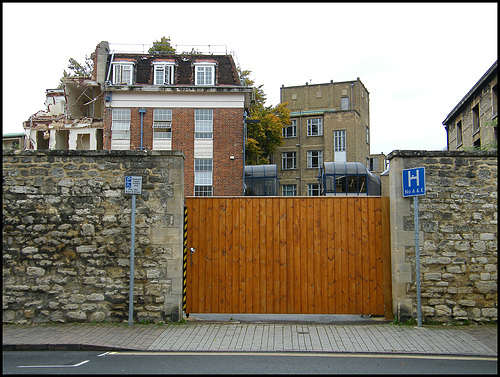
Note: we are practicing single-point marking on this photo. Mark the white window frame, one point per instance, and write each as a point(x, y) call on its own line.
point(339, 137)
point(162, 120)
point(118, 70)
point(200, 73)
point(286, 190)
point(203, 123)
point(168, 73)
point(120, 124)
point(292, 127)
point(312, 156)
point(288, 160)
point(313, 189)
point(314, 127)
point(203, 177)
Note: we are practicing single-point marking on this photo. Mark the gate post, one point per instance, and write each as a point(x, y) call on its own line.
point(184, 264)
point(387, 257)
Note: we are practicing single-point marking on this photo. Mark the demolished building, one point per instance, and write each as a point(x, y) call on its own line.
point(72, 119)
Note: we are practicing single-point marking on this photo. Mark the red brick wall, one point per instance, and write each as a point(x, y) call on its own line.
point(227, 138)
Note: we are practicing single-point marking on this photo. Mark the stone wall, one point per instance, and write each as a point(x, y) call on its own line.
point(67, 231)
point(457, 236)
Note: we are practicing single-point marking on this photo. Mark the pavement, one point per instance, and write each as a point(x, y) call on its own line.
point(233, 333)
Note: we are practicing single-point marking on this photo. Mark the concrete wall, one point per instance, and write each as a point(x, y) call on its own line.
point(457, 236)
point(67, 229)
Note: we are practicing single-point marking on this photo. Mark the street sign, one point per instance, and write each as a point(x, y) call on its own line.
point(414, 185)
point(133, 185)
point(413, 182)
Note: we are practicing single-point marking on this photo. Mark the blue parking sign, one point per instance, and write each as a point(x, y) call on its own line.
point(413, 182)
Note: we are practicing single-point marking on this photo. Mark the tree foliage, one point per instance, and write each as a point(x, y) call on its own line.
point(161, 46)
point(264, 137)
point(77, 69)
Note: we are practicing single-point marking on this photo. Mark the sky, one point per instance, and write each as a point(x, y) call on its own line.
point(417, 60)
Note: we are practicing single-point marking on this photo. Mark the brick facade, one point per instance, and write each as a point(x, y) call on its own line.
point(324, 101)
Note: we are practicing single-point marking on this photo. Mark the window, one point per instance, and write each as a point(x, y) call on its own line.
point(288, 160)
point(315, 127)
point(313, 189)
point(290, 130)
point(162, 123)
point(289, 190)
point(344, 103)
point(164, 74)
point(314, 159)
point(367, 135)
point(204, 74)
point(203, 177)
point(120, 124)
point(339, 141)
point(203, 123)
point(122, 73)
point(475, 119)
point(459, 133)
point(494, 100)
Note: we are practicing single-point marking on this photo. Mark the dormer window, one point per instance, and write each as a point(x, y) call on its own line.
point(163, 73)
point(122, 73)
point(204, 73)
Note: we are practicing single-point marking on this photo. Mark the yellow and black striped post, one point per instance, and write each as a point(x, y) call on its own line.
point(184, 265)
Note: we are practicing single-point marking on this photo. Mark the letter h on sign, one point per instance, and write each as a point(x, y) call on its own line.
point(413, 182)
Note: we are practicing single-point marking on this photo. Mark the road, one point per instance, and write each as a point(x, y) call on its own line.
point(98, 362)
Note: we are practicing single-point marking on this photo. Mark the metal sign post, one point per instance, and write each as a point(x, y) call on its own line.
point(133, 185)
point(414, 185)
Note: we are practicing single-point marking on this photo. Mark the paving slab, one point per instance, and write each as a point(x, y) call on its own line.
point(387, 338)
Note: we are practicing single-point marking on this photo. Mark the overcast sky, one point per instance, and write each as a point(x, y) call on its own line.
point(417, 60)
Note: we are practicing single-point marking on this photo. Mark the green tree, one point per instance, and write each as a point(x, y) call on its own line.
point(77, 69)
point(162, 46)
point(265, 136)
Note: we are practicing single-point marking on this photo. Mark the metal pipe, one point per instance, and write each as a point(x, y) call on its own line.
point(132, 255)
point(417, 260)
point(142, 112)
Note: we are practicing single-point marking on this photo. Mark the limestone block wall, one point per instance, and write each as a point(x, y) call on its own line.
point(67, 231)
point(457, 236)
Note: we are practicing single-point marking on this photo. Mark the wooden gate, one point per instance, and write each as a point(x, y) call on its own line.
point(298, 255)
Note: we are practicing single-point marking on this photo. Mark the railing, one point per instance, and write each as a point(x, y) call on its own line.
point(179, 49)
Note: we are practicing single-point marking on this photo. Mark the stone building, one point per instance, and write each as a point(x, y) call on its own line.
point(472, 124)
point(329, 122)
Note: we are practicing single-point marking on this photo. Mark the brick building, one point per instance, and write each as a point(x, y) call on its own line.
point(329, 122)
point(194, 103)
point(472, 124)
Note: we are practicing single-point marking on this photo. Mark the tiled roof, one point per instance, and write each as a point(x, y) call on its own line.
point(226, 73)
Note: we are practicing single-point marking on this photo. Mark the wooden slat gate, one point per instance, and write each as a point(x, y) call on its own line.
point(278, 255)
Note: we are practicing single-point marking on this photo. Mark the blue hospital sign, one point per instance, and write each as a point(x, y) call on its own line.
point(413, 182)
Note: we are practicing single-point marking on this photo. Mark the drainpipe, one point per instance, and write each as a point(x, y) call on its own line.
point(352, 100)
point(142, 112)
